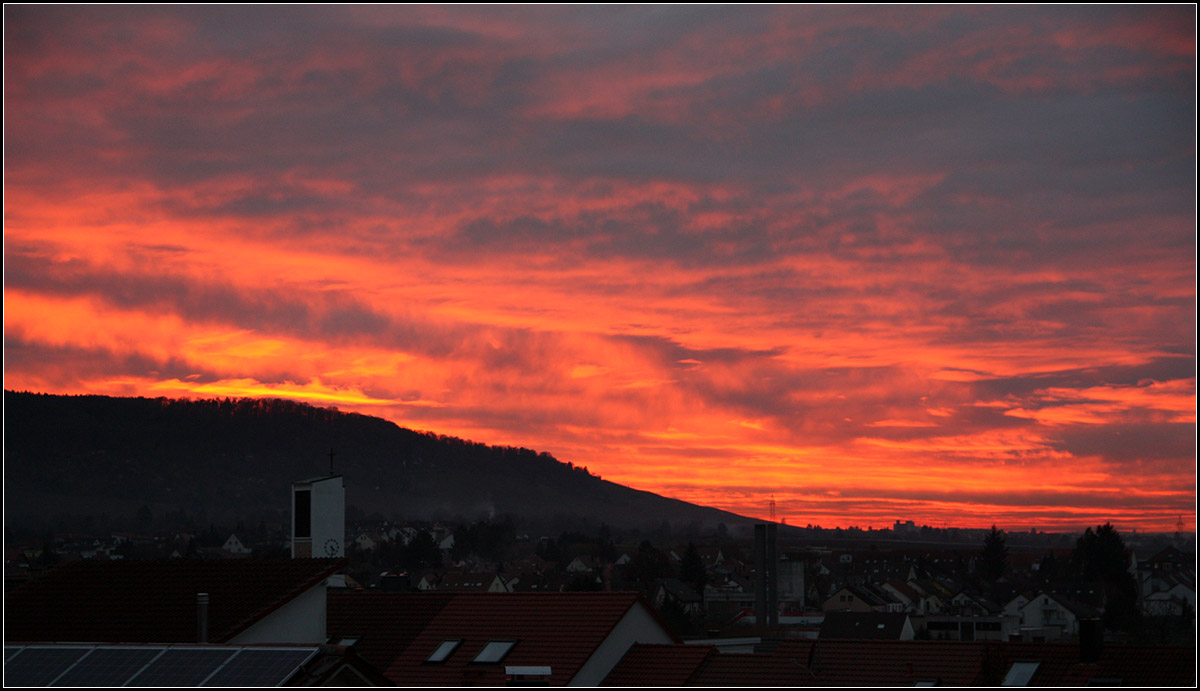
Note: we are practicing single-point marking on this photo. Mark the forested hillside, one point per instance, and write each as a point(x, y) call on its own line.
point(235, 459)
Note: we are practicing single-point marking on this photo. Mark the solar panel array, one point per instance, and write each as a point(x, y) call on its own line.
point(43, 665)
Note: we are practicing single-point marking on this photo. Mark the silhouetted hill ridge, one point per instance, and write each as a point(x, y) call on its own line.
point(237, 457)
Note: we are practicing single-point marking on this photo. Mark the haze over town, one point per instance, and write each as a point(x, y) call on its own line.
point(918, 263)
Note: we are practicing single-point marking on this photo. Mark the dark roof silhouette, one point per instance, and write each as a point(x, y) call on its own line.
point(154, 601)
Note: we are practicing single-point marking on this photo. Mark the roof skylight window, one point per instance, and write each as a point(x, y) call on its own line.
point(1020, 674)
point(493, 652)
point(443, 651)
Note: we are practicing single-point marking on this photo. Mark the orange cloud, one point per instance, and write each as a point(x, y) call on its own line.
point(822, 253)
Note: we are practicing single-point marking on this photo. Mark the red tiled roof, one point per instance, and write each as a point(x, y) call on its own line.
point(557, 630)
point(155, 601)
point(650, 664)
point(950, 663)
point(1134, 665)
point(384, 623)
point(847, 663)
point(888, 663)
point(775, 669)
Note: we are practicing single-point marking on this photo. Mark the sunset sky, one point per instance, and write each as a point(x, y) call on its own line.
point(906, 263)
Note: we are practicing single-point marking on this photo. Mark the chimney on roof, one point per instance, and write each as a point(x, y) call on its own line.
point(201, 617)
point(395, 582)
point(766, 598)
point(1091, 640)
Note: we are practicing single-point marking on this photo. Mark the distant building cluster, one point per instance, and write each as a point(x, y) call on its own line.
point(577, 610)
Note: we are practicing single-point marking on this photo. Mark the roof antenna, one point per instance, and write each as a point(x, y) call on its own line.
point(331, 460)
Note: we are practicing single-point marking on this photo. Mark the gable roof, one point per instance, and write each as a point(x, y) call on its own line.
point(783, 667)
point(891, 663)
point(1079, 609)
point(868, 595)
point(679, 591)
point(557, 630)
point(154, 601)
point(656, 664)
point(1172, 555)
point(1133, 665)
point(384, 623)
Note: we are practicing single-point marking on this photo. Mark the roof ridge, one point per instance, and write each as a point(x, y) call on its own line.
point(251, 618)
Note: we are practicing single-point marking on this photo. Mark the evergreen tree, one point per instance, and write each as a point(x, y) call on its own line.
point(1100, 555)
point(994, 561)
point(1048, 569)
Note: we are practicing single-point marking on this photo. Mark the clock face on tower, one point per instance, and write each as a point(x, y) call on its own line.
point(331, 547)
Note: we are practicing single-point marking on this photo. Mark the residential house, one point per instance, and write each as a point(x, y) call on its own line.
point(892, 626)
point(971, 604)
point(159, 601)
point(461, 639)
point(862, 598)
point(934, 598)
point(1177, 601)
point(366, 541)
point(1050, 617)
point(673, 590)
point(957, 627)
point(471, 582)
point(1013, 607)
point(235, 545)
point(538, 583)
point(585, 563)
point(905, 595)
point(1168, 582)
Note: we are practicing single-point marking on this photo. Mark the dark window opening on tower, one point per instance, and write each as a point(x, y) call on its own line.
point(303, 527)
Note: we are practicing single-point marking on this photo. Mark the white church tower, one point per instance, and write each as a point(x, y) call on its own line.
point(319, 517)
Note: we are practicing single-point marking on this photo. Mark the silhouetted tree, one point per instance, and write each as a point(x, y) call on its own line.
point(691, 569)
point(549, 550)
point(1049, 567)
point(993, 562)
point(144, 517)
point(421, 553)
point(649, 563)
point(49, 554)
point(676, 618)
point(582, 582)
point(1100, 555)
